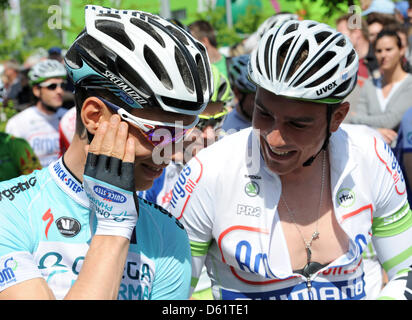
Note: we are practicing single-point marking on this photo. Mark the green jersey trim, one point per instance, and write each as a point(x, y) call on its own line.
point(389, 264)
point(199, 248)
point(393, 224)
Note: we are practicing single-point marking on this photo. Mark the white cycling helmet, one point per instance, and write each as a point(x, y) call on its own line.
point(141, 58)
point(329, 69)
point(46, 69)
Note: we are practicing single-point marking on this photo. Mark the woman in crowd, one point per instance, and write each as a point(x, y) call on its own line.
point(381, 105)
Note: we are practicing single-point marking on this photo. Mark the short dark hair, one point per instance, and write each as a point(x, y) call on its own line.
point(389, 33)
point(201, 28)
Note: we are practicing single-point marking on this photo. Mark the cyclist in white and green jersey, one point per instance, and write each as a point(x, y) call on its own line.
point(77, 230)
point(285, 209)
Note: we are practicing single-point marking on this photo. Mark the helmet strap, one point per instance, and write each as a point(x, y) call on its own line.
point(329, 111)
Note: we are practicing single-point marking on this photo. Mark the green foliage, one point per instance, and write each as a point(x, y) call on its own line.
point(226, 36)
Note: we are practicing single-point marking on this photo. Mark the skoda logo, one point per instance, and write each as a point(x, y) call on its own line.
point(252, 189)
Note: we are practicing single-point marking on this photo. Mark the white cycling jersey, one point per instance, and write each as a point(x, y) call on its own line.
point(40, 130)
point(228, 205)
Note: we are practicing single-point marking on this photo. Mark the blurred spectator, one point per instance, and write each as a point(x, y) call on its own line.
point(39, 124)
point(376, 21)
point(403, 150)
point(204, 32)
point(402, 31)
point(55, 53)
point(368, 64)
point(380, 6)
point(12, 84)
point(401, 11)
point(381, 105)
point(244, 90)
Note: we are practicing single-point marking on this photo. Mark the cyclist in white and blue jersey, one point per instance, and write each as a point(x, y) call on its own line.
point(77, 230)
point(284, 210)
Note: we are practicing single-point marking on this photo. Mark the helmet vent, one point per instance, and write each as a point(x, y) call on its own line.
point(184, 70)
point(132, 77)
point(320, 37)
point(109, 15)
point(157, 67)
point(300, 57)
point(315, 68)
point(350, 58)
point(116, 31)
point(341, 42)
point(324, 78)
point(201, 70)
point(267, 50)
point(282, 52)
point(178, 34)
point(344, 86)
point(148, 29)
point(291, 28)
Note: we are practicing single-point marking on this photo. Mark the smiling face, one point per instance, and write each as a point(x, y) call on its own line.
point(291, 131)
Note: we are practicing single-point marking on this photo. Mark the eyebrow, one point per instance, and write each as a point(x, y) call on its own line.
point(296, 119)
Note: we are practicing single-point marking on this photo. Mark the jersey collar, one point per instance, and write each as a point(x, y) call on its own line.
point(67, 182)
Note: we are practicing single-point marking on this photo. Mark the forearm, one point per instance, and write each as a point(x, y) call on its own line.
point(102, 269)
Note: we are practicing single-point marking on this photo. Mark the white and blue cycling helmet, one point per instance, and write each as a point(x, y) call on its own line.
point(144, 60)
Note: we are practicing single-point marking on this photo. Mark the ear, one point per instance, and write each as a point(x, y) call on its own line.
point(93, 112)
point(36, 91)
point(339, 115)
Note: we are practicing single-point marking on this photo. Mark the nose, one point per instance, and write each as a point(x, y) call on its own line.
point(275, 138)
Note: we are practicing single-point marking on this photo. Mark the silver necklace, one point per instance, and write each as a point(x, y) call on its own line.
point(310, 266)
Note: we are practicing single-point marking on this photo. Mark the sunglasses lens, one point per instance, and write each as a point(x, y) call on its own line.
point(161, 136)
point(54, 86)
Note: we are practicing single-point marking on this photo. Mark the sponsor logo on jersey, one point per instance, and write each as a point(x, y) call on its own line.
point(7, 272)
point(392, 166)
point(183, 185)
point(246, 210)
point(353, 289)
point(109, 195)
point(252, 176)
point(20, 187)
point(345, 197)
point(252, 189)
point(68, 227)
point(62, 174)
point(137, 279)
point(326, 88)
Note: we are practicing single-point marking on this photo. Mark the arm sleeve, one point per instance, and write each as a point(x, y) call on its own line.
point(392, 221)
point(193, 205)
